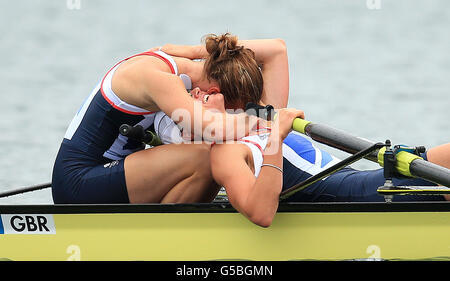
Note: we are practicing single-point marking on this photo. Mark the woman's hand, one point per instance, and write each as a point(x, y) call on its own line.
point(184, 51)
point(284, 119)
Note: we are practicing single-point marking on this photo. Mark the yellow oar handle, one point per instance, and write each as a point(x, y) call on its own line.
point(299, 125)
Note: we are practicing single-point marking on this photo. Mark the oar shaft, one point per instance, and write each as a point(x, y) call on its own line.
point(340, 140)
point(25, 189)
point(352, 144)
point(430, 171)
point(334, 138)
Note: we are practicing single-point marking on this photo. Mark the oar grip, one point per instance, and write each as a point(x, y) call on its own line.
point(299, 125)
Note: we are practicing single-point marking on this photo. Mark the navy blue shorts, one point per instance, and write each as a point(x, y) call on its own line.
point(350, 185)
point(79, 179)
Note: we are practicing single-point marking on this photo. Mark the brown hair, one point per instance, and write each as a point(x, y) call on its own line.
point(234, 68)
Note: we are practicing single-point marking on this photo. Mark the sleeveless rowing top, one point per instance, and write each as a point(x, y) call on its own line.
point(94, 131)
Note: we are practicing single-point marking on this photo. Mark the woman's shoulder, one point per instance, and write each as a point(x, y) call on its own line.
point(229, 151)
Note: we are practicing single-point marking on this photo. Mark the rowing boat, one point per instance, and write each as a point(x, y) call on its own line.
point(215, 231)
point(204, 232)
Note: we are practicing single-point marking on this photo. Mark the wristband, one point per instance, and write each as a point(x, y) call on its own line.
point(273, 166)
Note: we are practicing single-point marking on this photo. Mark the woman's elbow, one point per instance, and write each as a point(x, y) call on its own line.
point(262, 220)
point(280, 45)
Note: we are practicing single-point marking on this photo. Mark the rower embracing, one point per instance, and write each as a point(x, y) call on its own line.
point(95, 164)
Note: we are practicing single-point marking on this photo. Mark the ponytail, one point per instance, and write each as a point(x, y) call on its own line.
point(234, 68)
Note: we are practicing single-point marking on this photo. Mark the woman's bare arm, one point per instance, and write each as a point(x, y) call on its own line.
point(184, 51)
point(271, 54)
point(147, 84)
point(255, 198)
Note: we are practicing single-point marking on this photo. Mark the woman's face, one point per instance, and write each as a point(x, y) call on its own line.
point(210, 99)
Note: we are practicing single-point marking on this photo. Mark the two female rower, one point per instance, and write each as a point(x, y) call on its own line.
point(95, 164)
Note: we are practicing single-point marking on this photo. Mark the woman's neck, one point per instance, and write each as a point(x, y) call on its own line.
point(194, 69)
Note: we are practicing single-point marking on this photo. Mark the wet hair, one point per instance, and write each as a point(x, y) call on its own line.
point(235, 70)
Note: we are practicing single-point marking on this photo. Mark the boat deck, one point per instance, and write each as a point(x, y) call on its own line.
point(206, 232)
point(225, 207)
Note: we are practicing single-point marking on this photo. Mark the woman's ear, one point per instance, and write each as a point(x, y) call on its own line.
point(213, 90)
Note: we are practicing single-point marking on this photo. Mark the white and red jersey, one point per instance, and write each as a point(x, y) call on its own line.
point(95, 127)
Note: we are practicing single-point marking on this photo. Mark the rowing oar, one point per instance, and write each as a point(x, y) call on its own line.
point(25, 189)
point(407, 164)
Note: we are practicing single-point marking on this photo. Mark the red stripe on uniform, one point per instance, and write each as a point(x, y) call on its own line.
point(141, 54)
point(160, 57)
point(256, 144)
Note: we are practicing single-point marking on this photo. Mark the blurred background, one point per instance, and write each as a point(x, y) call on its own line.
point(378, 68)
